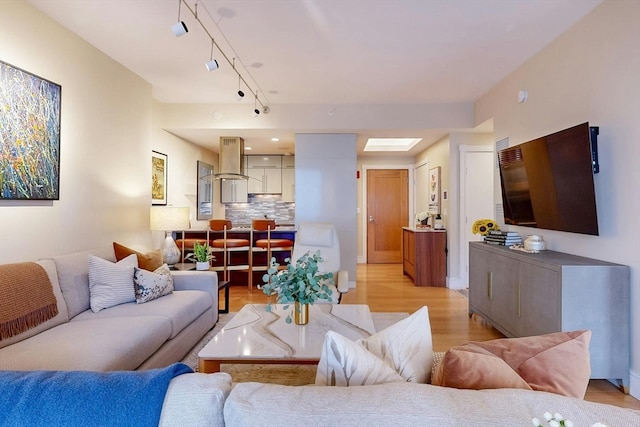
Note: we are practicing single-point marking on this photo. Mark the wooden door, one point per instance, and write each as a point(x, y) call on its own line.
point(387, 213)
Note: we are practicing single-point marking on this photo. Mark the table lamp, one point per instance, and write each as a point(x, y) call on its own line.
point(169, 218)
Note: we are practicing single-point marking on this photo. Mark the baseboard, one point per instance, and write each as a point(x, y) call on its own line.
point(634, 385)
point(455, 283)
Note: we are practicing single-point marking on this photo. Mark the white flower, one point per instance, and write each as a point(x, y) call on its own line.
point(536, 422)
point(557, 416)
point(568, 423)
point(599, 425)
point(421, 216)
point(554, 423)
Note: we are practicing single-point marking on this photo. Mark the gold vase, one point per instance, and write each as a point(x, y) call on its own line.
point(301, 313)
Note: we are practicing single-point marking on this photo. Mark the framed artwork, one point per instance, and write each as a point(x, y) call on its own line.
point(434, 190)
point(158, 178)
point(205, 191)
point(30, 143)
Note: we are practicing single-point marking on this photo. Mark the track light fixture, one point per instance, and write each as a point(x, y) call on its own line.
point(179, 28)
point(256, 112)
point(211, 64)
point(240, 94)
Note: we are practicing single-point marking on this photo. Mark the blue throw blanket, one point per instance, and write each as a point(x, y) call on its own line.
point(74, 398)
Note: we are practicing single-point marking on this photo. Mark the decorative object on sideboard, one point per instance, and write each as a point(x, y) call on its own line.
point(535, 243)
point(167, 219)
point(438, 223)
point(302, 284)
point(423, 218)
point(482, 226)
point(201, 255)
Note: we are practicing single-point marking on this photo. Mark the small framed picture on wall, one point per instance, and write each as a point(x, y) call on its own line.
point(158, 178)
point(434, 190)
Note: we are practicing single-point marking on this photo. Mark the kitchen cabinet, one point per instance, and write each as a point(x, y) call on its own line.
point(524, 294)
point(233, 191)
point(424, 256)
point(288, 179)
point(265, 174)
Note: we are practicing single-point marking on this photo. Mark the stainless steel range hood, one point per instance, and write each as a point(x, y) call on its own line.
point(231, 158)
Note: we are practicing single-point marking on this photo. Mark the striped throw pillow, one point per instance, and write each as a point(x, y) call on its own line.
point(111, 284)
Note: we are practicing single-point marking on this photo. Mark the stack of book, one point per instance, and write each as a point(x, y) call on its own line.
point(505, 238)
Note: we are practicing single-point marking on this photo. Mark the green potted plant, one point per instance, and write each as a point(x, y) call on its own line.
point(201, 255)
point(301, 284)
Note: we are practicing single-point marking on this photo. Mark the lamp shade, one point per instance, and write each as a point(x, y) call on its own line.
point(167, 218)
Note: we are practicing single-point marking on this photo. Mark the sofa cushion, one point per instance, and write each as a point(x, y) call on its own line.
point(62, 316)
point(111, 283)
point(180, 308)
point(557, 363)
point(105, 344)
point(405, 347)
point(150, 261)
point(73, 276)
point(150, 285)
point(196, 400)
point(407, 404)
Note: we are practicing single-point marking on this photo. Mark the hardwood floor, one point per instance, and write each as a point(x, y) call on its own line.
point(384, 288)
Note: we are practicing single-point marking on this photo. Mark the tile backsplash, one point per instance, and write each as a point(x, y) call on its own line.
point(261, 206)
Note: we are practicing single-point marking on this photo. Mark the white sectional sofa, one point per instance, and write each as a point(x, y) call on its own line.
point(124, 337)
point(211, 400)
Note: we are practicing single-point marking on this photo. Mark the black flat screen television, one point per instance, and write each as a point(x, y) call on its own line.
point(548, 182)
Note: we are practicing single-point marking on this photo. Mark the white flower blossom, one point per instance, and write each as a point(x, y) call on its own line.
point(554, 423)
point(599, 425)
point(421, 216)
point(557, 417)
point(548, 416)
point(568, 423)
point(536, 422)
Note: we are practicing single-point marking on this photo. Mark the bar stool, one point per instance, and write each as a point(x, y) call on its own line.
point(227, 246)
point(268, 245)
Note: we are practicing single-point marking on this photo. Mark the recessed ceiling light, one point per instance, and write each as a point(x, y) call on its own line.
point(391, 144)
point(274, 139)
point(248, 148)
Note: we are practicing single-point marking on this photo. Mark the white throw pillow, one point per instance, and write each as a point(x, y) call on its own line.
point(111, 283)
point(405, 348)
point(151, 285)
point(346, 363)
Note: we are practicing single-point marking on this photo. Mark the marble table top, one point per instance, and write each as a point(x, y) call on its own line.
point(255, 334)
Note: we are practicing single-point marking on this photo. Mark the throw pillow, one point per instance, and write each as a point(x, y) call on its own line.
point(346, 363)
point(404, 347)
point(557, 363)
point(149, 261)
point(151, 285)
point(111, 284)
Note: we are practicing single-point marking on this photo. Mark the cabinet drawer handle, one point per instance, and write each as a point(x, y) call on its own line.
point(518, 299)
point(490, 286)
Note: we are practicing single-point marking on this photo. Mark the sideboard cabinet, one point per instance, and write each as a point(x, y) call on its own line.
point(424, 256)
point(523, 294)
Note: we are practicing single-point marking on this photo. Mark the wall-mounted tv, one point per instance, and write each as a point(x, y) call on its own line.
point(548, 182)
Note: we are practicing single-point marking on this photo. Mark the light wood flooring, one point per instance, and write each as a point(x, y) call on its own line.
point(384, 288)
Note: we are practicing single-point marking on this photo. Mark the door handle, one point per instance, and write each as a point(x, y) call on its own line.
point(371, 218)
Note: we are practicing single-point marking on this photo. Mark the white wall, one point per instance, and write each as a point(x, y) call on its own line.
point(326, 188)
point(107, 136)
point(590, 73)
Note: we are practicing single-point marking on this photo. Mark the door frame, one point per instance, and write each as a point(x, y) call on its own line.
point(410, 167)
point(462, 220)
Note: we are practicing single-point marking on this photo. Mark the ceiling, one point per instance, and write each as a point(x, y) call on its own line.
point(324, 55)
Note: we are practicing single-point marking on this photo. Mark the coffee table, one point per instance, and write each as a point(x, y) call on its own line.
point(257, 336)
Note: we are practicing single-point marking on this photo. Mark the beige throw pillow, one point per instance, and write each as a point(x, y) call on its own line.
point(401, 352)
